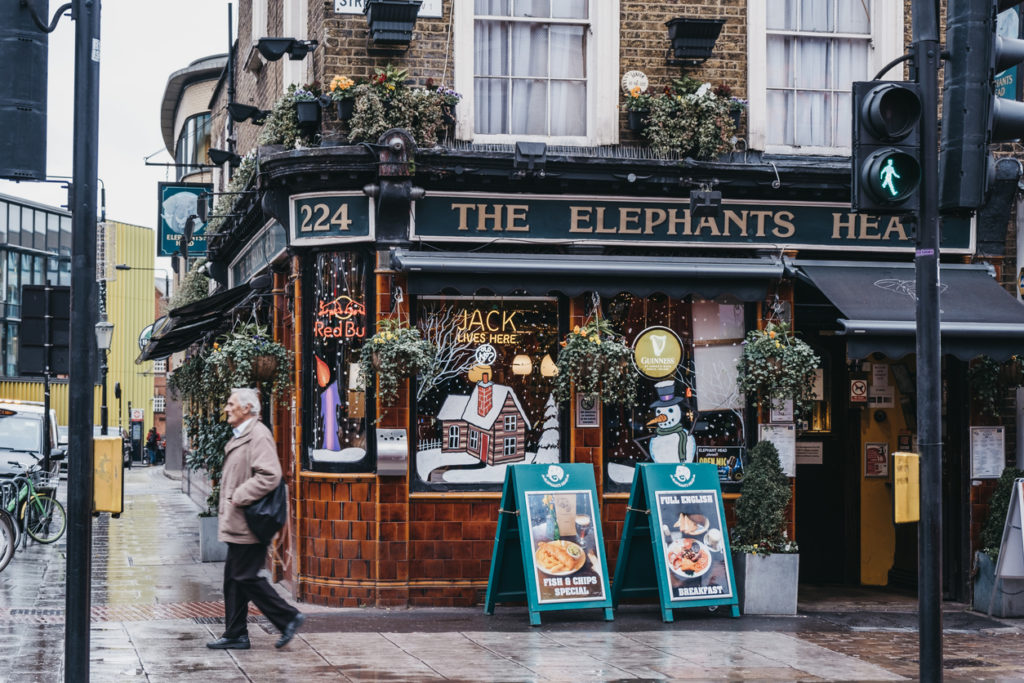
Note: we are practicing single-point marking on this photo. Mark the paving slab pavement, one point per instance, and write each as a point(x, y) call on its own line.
point(155, 606)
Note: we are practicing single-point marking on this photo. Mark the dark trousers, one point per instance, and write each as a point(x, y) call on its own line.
point(242, 584)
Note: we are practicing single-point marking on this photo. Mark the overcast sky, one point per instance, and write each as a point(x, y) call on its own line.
point(142, 43)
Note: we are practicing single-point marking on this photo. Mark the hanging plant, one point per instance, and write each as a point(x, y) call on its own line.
point(986, 387)
point(596, 360)
point(392, 355)
point(249, 357)
point(207, 435)
point(778, 365)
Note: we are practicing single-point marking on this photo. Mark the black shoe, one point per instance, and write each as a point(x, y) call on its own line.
point(289, 631)
point(224, 643)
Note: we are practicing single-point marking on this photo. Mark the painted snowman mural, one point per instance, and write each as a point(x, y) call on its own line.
point(672, 442)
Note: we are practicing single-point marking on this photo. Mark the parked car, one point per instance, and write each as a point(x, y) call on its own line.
point(21, 436)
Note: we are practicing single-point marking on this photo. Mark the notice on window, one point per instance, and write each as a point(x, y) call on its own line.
point(783, 436)
point(988, 454)
point(587, 410)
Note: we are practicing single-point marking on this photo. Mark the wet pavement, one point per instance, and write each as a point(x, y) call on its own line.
point(155, 605)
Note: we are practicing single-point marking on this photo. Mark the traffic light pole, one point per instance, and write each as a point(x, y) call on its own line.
point(927, 57)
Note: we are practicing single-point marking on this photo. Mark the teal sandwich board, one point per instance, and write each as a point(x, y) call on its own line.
point(548, 549)
point(674, 541)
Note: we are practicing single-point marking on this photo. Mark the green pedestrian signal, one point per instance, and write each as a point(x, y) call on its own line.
point(886, 165)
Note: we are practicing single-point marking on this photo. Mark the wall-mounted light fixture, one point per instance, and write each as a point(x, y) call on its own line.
point(391, 21)
point(243, 112)
point(705, 203)
point(272, 49)
point(223, 156)
point(693, 40)
point(530, 159)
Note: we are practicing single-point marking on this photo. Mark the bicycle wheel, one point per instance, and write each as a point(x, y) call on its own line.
point(8, 539)
point(45, 518)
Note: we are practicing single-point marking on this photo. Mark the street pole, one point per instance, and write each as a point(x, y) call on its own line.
point(103, 397)
point(929, 355)
point(86, 14)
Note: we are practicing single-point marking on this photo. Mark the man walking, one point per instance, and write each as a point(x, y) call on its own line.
point(251, 471)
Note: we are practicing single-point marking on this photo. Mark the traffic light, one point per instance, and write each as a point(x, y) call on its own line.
point(23, 54)
point(972, 116)
point(886, 147)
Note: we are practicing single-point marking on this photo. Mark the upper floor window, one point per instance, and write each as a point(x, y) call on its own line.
point(540, 70)
point(803, 57)
point(193, 144)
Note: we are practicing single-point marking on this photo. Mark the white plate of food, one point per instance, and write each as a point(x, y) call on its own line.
point(692, 524)
point(688, 558)
point(559, 558)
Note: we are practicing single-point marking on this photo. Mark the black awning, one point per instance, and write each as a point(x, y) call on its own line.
point(432, 272)
point(978, 316)
point(186, 325)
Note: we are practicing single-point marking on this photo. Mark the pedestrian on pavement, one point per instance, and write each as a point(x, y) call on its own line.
point(151, 443)
point(250, 471)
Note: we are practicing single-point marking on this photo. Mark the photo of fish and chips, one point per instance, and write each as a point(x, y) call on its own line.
point(566, 555)
point(693, 543)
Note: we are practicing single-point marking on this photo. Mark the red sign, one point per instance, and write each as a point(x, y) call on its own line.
point(340, 318)
point(858, 391)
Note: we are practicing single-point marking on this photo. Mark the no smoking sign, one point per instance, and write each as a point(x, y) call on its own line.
point(858, 391)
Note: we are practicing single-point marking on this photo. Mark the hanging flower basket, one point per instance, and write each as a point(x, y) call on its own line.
point(779, 366)
point(596, 360)
point(636, 120)
point(345, 109)
point(308, 113)
point(392, 355)
point(264, 368)
point(248, 357)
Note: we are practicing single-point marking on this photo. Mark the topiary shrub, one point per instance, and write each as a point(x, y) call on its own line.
point(992, 530)
point(761, 510)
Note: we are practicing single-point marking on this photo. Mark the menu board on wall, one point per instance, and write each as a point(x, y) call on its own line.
point(675, 513)
point(548, 548)
point(988, 452)
point(489, 403)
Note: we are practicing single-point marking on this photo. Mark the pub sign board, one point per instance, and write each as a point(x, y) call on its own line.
point(331, 218)
point(548, 548)
point(666, 222)
point(175, 203)
point(674, 542)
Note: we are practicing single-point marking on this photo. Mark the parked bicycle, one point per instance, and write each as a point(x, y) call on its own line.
point(29, 499)
point(8, 538)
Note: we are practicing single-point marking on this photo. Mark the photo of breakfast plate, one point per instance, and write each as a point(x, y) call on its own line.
point(692, 524)
point(688, 558)
point(559, 558)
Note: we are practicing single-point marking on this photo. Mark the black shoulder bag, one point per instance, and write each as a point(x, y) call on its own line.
point(267, 515)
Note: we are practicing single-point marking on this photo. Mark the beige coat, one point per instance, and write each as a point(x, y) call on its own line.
point(251, 471)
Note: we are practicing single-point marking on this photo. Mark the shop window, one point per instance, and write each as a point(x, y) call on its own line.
point(688, 407)
point(478, 386)
point(453, 437)
point(802, 57)
point(338, 322)
point(193, 144)
point(540, 70)
point(820, 419)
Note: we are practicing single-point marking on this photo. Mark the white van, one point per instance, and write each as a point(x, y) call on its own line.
point(21, 436)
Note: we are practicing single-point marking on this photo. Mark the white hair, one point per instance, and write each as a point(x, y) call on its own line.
point(247, 397)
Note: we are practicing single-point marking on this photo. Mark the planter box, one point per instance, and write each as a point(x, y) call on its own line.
point(767, 584)
point(1009, 598)
point(210, 549)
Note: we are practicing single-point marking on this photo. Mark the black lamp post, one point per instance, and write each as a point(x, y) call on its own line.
point(104, 333)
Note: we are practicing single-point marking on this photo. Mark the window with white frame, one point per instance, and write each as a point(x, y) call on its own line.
point(474, 439)
point(509, 446)
point(510, 423)
point(803, 56)
point(158, 404)
point(160, 367)
point(453, 436)
point(538, 70)
point(294, 24)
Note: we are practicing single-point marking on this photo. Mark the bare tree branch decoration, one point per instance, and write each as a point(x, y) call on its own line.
point(453, 358)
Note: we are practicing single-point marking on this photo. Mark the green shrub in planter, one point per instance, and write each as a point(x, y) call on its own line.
point(761, 509)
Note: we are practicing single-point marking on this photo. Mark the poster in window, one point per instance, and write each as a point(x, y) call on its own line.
point(694, 413)
point(488, 404)
point(338, 325)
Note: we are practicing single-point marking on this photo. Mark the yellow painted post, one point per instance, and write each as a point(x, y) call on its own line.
point(907, 482)
point(108, 475)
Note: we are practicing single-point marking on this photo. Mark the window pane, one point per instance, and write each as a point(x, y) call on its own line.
point(529, 107)
point(37, 270)
point(529, 50)
point(715, 377)
point(811, 64)
point(491, 49)
point(567, 55)
point(568, 108)
point(782, 15)
point(816, 15)
point(570, 9)
point(813, 118)
point(12, 349)
point(780, 62)
point(65, 235)
point(532, 8)
point(490, 97)
point(26, 269)
point(52, 232)
point(712, 320)
point(14, 229)
point(492, 7)
point(13, 291)
point(852, 16)
point(780, 114)
point(3, 221)
point(849, 63)
point(27, 228)
point(39, 242)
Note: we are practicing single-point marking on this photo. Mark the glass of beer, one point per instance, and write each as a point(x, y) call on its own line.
point(582, 523)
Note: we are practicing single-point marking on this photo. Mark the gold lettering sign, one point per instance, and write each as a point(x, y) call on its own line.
point(657, 352)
